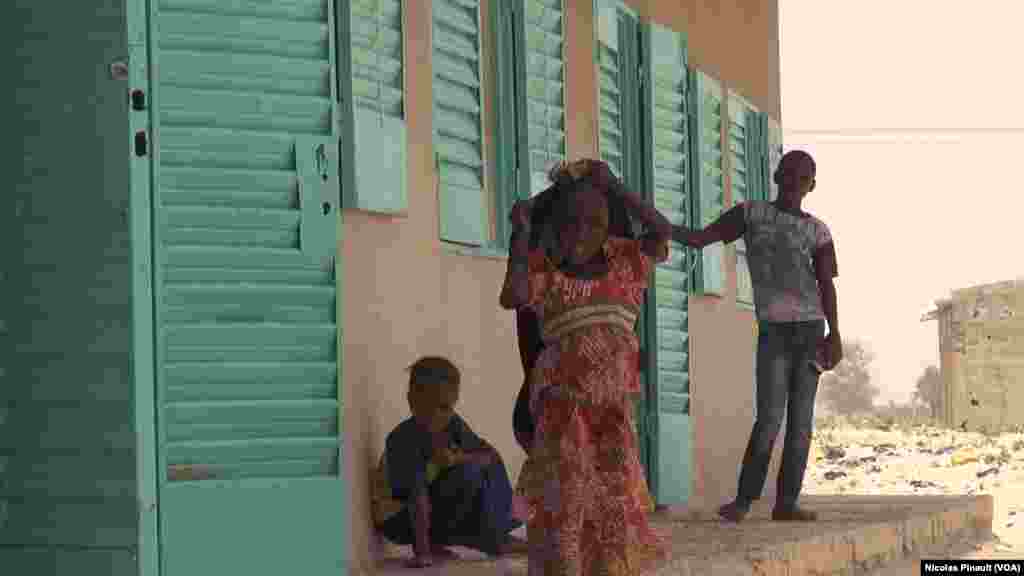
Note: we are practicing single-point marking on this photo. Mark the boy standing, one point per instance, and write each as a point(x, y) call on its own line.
point(438, 483)
point(792, 264)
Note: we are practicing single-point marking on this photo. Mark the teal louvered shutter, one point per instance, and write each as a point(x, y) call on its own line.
point(760, 145)
point(529, 100)
point(458, 121)
point(609, 70)
point(757, 153)
point(707, 174)
point(376, 150)
point(774, 137)
point(544, 97)
point(246, 229)
point(667, 177)
point(618, 92)
point(744, 171)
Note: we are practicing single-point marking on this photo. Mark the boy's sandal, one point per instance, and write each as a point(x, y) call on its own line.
point(441, 553)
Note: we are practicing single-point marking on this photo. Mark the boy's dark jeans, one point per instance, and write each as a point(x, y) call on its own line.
point(786, 387)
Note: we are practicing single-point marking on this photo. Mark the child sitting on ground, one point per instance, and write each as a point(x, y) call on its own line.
point(438, 483)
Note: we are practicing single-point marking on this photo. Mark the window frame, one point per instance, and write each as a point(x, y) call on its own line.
point(392, 196)
point(753, 185)
point(709, 274)
point(506, 120)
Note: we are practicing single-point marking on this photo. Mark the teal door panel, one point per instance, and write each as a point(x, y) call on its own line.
point(68, 499)
point(666, 169)
point(254, 527)
point(245, 229)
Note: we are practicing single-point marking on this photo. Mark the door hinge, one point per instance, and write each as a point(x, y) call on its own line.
point(138, 100)
point(141, 143)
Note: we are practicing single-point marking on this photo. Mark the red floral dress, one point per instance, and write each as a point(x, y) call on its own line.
point(583, 482)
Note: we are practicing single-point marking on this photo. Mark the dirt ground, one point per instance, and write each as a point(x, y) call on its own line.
point(847, 459)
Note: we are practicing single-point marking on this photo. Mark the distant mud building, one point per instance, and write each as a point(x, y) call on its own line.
point(981, 347)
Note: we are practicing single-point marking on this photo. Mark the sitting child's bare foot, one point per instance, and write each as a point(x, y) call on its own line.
point(441, 553)
point(515, 546)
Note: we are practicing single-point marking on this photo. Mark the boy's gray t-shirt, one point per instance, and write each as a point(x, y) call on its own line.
point(780, 250)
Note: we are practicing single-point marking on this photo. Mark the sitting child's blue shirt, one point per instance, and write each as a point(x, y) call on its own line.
point(470, 505)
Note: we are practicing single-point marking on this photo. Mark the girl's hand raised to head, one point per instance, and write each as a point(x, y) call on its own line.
point(600, 173)
point(579, 168)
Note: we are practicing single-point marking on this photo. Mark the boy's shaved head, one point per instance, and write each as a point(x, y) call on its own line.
point(795, 175)
point(799, 162)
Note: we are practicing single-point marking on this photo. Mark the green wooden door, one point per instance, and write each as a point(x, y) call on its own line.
point(245, 226)
point(69, 502)
point(667, 176)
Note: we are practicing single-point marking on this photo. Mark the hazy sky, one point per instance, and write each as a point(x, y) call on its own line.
point(918, 182)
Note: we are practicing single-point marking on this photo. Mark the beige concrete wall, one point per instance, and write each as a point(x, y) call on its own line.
point(947, 364)
point(985, 356)
point(404, 294)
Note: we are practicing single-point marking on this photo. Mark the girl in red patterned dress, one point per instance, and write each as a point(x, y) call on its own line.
point(583, 482)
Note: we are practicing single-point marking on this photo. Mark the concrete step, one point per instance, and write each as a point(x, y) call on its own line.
point(854, 535)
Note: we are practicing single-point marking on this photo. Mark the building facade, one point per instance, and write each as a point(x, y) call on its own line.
point(981, 356)
point(239, 222)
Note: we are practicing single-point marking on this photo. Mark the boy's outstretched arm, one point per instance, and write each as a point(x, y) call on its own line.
point(727, 228)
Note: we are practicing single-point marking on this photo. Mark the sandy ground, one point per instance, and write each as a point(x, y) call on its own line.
point(923, 460)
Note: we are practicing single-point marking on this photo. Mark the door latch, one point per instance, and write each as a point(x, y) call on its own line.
point(320, 161)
